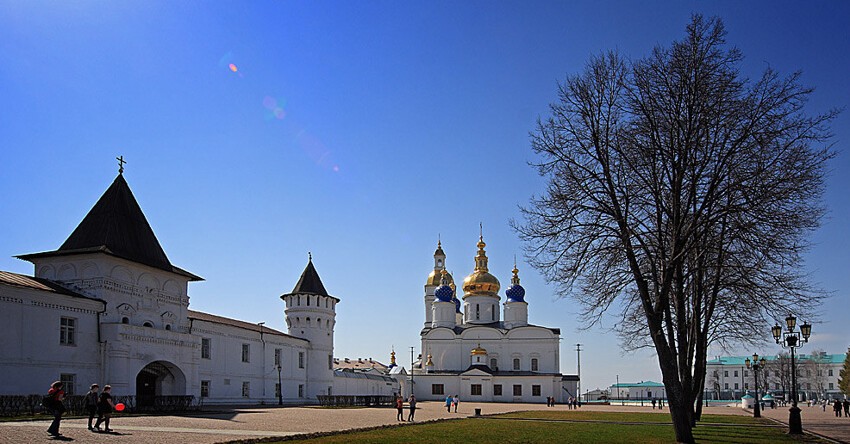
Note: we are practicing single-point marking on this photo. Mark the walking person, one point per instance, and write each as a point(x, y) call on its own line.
point(846, 408)
point(412, 402)
point(91, 403)
point(836, 407)
point(54, 399)
point(399, 406)
point(456, 401)
point(449, 403)
point(653, 403)
point(104, 409)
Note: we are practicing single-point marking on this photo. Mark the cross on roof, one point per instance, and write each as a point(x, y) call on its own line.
point(121, 163)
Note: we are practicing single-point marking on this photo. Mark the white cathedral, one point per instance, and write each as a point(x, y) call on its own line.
point(109, 307)
point(475, 354)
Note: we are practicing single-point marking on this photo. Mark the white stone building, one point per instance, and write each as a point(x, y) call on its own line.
point(474, 353)
point(109, 307)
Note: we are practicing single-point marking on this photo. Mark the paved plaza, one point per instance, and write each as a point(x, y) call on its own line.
point(246, 423)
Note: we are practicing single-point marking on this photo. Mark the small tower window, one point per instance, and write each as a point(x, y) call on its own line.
point(299, 299)
point(125, 320)
point(328, 324)
point(326, 302)
point(308, 321)
point(493, 314)
point(168, 326)
point(477, 311)
point(148, 324)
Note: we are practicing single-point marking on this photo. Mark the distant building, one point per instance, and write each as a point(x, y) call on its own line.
point(474, 353)
point(637, 390)
point(728, 377)
point(108, 307)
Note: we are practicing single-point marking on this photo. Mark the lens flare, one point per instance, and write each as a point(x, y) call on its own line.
point(233, 67)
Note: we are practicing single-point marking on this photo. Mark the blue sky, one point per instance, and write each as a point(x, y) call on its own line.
point(360, 131)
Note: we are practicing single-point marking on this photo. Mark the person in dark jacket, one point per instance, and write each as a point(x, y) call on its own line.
point(91, 403)
point(104, 409)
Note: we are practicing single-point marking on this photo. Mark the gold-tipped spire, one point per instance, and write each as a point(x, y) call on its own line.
point(392, 357)
point(515, 278)
point(481, 282)
point(429, 363)
point(478, 350)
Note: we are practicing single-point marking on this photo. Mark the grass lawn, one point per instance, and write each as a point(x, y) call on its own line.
point(506, 429)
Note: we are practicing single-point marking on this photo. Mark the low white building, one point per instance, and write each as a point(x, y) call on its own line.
point(108, 307)
point(475, 354)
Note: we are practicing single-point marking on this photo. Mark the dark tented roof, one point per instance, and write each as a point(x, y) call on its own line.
point(310, 282)
point(207, 317)
point(116, 225)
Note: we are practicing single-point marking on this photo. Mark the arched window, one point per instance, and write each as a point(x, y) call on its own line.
point(326, 302)
point(168, 326)
point(534, 364)
point(319, 322)
point(299, 299)
point(328, 324)
point(308, 322)
point(298, 321)
point(125, 320)
point(308, 301)
point(516, 364)
point(494, 364)
point(147, 324)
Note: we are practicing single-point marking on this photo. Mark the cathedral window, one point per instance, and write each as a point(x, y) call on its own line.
point(535, 390)
point(67, 331)
point(438, 389)
point(494, 364)
point(69, 381)
point(517, 390)
point(534, 364)
point(205, 348)
point(475, 389)
point(493, 313)
point(477, 311)
point(516, 364)
point(497, 390)
point(246, 352)
point(246, 389)
point(300, 359)
point(277, 354)
point(205, 389)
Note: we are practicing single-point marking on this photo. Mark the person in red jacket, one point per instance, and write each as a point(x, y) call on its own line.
point(57, 407)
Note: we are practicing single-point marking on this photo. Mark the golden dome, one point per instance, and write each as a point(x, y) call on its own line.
point(478, 350)
point(434, 278)
point(481, 282)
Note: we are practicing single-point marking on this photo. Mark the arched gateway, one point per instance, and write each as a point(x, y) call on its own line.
point(159, 378)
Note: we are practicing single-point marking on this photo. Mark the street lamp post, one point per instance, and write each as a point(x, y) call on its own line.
point(279, 385)
point(793, 340)
point(756, 365)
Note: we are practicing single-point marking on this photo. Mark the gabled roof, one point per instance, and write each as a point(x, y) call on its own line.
point(215, 319)
point(117, 226)
point(310, 282)
point(22, 281)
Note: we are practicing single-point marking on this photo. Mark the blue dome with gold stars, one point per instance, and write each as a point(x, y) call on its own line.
point(516, 293)
point(444, 293)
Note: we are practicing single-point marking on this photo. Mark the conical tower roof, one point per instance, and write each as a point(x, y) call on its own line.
point(310, 282)
point(117, 226)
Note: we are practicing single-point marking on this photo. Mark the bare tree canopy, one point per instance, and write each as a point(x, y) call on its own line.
point(681, 194)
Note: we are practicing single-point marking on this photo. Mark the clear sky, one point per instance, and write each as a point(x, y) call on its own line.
point(359, 131)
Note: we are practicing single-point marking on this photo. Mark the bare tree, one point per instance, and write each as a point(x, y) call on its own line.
point(679, 195)
point(778, 372)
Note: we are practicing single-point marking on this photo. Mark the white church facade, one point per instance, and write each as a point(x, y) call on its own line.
point(470, 351)
point(109, 307)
